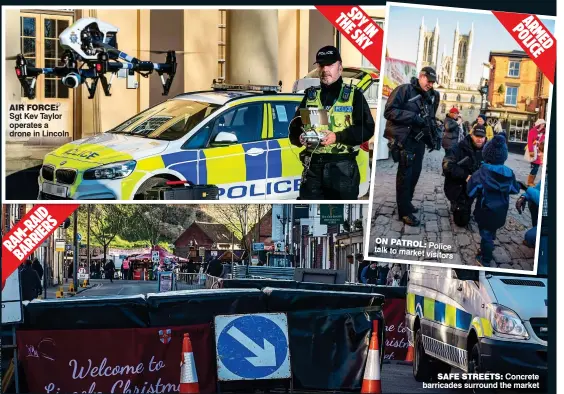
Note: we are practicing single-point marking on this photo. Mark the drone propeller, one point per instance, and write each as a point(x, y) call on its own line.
point(164, 52)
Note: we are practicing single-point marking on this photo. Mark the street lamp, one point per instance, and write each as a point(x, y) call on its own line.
point(486, 68)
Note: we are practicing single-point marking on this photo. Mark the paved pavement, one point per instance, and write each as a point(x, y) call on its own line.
point(436, 222)
point(103, 287)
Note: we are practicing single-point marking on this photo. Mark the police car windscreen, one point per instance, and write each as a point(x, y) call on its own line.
point(167, 121)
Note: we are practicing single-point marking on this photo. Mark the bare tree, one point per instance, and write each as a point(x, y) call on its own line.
point(157, 222)
point(240, 219)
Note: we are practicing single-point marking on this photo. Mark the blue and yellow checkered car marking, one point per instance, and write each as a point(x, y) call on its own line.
point(438, 311)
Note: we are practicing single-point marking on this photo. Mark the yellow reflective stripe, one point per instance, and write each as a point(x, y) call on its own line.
point(364, 82)
point(488, 330)
point(411, 303)
point(362, 160)
point(478, 327)
point(450, 315)
point(289, 154)
point(429, 308)
point(264, 134)
point(143, 167)
point(270, 122)
point(216, 159)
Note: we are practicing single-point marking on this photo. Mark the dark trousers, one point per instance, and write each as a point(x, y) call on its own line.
point(487, 245)
point(462, 210)
point(330, 177)
point(409, 170)
point(534, 209)
point(125, 274)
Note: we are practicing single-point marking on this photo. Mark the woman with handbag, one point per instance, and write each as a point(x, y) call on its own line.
point(536, 136)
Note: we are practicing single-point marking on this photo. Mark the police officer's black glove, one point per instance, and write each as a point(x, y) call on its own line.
point(419, 121)
point(520, 204)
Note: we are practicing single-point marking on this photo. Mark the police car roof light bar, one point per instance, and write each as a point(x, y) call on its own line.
point(248, 87)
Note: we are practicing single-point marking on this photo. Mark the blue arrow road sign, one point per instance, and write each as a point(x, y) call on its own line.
point(78, 237)
point(252, 347)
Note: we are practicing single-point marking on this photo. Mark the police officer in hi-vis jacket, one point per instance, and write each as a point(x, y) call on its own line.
point(330, 168)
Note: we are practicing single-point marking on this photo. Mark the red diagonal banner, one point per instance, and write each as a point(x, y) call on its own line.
point(358, 28)
point(29, 233)
point(535, 39)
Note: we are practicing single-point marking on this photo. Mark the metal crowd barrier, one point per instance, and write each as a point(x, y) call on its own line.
point(189, 281)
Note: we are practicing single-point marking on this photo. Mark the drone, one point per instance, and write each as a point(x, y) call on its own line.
point(90, 52)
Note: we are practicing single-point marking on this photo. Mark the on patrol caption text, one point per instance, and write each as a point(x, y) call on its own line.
point(395, 246)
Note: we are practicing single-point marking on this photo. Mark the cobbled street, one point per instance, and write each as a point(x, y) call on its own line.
point(436, 221)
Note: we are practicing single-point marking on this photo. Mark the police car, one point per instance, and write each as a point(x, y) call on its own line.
point(234, 137)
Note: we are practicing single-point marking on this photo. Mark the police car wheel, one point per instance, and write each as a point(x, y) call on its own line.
point(421, 362)
point(148, 185)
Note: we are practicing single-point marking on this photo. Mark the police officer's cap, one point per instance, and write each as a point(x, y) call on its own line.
point(327, 55)
point(430, 73)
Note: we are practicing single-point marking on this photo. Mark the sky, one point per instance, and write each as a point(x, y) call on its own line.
point(489, 34)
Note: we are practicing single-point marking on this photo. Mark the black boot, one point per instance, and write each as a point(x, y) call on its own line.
point(411, 220)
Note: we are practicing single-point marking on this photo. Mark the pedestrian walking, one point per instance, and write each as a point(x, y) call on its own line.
point(125, 269)
point(36, 265)
point(30, 282)
point(536, 136)
point(109, 269)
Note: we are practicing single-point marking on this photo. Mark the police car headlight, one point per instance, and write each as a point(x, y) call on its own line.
point(120, 169)
point(505, 322)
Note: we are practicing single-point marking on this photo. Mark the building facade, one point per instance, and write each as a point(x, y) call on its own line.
point(518, 93)
point(261, 46)
point(327, 246)
point(453, 71)
point(210, 236)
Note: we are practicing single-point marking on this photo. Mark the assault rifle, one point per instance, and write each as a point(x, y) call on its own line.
point(430, 130)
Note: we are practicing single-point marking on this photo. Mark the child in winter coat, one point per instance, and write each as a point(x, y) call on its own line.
point(491, 184)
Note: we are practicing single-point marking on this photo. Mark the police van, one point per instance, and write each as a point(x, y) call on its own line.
point(477, 321)
point(234, 138)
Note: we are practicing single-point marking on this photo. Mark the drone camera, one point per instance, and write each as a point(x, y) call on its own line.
point(71, 80)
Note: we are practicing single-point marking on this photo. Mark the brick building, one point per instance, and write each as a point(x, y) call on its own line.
point(517, 93)
point(211, 236)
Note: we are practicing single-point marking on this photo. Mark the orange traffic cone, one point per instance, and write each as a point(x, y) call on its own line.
point(409, 357)
point(188, 376)
point(371, 383)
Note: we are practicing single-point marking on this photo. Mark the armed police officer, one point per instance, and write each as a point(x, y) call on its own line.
point(330, 168)
point(410, 126)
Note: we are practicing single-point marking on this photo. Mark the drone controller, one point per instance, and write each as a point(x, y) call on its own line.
point(312, 137)
point(90, 51)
